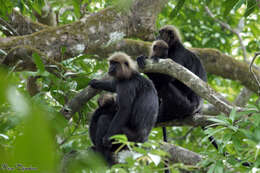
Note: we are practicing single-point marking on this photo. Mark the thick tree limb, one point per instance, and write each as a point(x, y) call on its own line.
point(24, 25)
point(213, 60)
point(78, 102)
point(175, 70)
point(241, 100)
point(93, 32)
point(182, 155)
point(209, 109)
point(192, 81)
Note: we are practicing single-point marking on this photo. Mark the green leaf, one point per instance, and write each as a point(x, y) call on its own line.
point(76, 5)
point(256, 119)
point(247, 133)
point(229, 4)
point(177, 8)
point(219, 167)
point(251, 5)
point(222, 121)
point(237, 143)
point(38, 61)
point(226, 138)
point(36, 147)
point(119, 137)
point(208, 2)
point(211, 169)
point(239, 4)
point(233, 115)
point(37, 8)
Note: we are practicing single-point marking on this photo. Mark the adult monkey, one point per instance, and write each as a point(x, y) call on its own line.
point(177, 100)
point(99, 124)
point(137, 100)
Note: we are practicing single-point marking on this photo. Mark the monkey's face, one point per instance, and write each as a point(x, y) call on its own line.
point(167, 36)
point(119, 70)
point(113, 68)
point(159, 52)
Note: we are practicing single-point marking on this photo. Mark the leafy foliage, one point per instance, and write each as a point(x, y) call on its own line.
point(34, 134)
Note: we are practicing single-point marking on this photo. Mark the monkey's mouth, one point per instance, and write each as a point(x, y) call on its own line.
point(111, 73)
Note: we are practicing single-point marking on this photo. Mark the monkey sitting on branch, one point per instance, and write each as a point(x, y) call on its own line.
point(137, 100)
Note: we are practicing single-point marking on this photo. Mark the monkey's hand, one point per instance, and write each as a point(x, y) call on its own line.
point(141, 61)
point(94, 83)
point(106, 141)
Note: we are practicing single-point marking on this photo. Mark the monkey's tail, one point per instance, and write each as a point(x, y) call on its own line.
point(164, 130)
point(164, 134)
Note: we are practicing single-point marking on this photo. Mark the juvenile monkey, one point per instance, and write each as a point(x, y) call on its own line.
point(99, 125)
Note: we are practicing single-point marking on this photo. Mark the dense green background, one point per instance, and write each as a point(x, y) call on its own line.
point(34, 134)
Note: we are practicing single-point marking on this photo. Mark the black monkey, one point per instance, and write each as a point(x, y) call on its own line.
point(99, 124)
point(178, 100)
point(159, 50)
point(106, 107)
point(190, 102)
point(137, 100)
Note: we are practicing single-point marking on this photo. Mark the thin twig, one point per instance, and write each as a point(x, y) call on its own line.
point(251, 71)
point(228, 27)
point(8, 26)
point(74, 130)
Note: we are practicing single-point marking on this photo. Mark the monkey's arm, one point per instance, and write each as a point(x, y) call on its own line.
point(107, 85)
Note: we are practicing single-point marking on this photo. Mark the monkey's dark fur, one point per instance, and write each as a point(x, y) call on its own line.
point(99, 124)
point(108, 108)
point(137, 100)
point(178, 100)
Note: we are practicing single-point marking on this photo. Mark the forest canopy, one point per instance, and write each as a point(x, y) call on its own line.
point(50, 51)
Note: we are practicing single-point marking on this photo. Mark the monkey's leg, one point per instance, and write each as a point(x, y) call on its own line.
point(102, 127)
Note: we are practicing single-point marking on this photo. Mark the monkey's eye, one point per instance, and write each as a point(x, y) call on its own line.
point(169, 33)
point(113, 62)
point(126, 63)
point(154, 47)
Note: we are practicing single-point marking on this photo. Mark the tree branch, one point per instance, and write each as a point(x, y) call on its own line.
point(23, 25)
point(243, 97)
point(213, 60)
point(192, 81)
point(182, 155)
point(175, 70)
point(93, 32)
point(8, 27)
point(228, 27)
point(253, 73)
point(47, 16)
